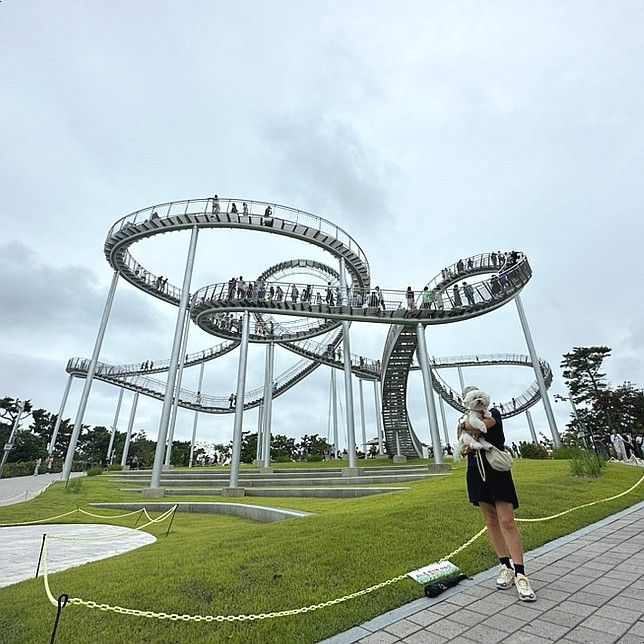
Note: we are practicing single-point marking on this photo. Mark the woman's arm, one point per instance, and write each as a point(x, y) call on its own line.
point(488, 422)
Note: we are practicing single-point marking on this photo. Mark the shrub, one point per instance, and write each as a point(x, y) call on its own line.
point(94, 471)
point(282, 458)
point(25, 468)
point(314, 458)
point(532, 450)
point(115, 467)
point(586, 463)
point(73, 486)
point(565, 453)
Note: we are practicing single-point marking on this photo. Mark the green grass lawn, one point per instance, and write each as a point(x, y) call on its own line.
point(226, 565)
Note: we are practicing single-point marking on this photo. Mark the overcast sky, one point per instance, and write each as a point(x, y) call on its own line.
point(429, 131)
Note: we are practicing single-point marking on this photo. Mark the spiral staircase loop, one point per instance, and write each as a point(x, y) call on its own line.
point(202, 213)
point(317, 309)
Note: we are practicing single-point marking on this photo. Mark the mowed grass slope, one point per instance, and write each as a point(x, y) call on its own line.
point(217, 565)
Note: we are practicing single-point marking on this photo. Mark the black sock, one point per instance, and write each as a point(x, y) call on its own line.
point(506, 562)
point(519, 569)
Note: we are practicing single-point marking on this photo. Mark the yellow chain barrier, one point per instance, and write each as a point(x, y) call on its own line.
point(60, 516)
point(109, 516)
point(159, 519)
point(89, 514)
point(585, 505)
point(294, 611)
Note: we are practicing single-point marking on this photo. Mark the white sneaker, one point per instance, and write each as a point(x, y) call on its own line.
point(505, 578)
point(526, 594)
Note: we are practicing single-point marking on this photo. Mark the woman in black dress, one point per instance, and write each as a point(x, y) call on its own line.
point(497, 498)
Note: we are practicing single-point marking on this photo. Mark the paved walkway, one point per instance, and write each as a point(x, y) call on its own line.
point(589, 585)
point(22, 488)
point(20, 547)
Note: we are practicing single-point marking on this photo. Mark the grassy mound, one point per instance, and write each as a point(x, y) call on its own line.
point(226, 565)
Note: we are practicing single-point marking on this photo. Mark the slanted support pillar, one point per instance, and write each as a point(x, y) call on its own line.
point(89, 379)
point(348, 381)
point(155, 479)
point(233, 485)
point(556, 439)
point(114, 426)
point(130, 425)
point(364, 430)
point(531, 426)
point(429, 395)
point(268, 409)
point(196, 419)
point(61, 411)
point(381, 430)
point(177, 388)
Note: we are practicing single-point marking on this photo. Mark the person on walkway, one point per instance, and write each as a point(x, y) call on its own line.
point(637, 445)
point(380, 298)
point(37, 467)
point(328, 298)
point(411, 299)
point(497, 498)
point(456, 295)
point(618, 443)
point(469, 293)
point(426, 298)
point(215, 205)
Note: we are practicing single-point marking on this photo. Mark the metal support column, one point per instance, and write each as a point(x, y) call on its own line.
point(461, 379)
point(268, 406)
point(364, 431)
point(429, 394)
point(441, 405)
point(130, 425)
point(260, 433)
point(196, 419)
point(59, 418)
point(177, 388)
point(155, 480)
point(348, 383)
point(381, 429)
point(9, 444)
point(239, 403)
point(556, 439)
point(89, 379)
point(531, 426)
point(334, 406)
point(114, 426)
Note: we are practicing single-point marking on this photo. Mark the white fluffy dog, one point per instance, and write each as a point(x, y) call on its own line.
point(477, 403)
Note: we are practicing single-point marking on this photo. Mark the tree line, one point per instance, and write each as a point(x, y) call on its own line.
point(601, 407)
point(37, 427)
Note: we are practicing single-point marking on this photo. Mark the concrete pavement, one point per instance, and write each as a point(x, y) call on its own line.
point(589, 585)
point(22, 488)
point(20, 547)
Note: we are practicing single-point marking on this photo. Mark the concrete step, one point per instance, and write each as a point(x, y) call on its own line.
point(267, 481)
point(300, 492)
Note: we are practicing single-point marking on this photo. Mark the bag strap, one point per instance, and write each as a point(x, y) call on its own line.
point(479, 463)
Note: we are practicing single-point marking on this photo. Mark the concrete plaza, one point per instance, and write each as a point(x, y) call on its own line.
point(589, 585)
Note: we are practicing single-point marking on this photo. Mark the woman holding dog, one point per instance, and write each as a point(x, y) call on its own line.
point(495, 494)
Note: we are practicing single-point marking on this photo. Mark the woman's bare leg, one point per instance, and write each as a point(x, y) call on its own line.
point(494, 529)
point(510, 532)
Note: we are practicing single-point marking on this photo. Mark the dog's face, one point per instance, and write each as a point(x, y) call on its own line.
point(477, 400)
